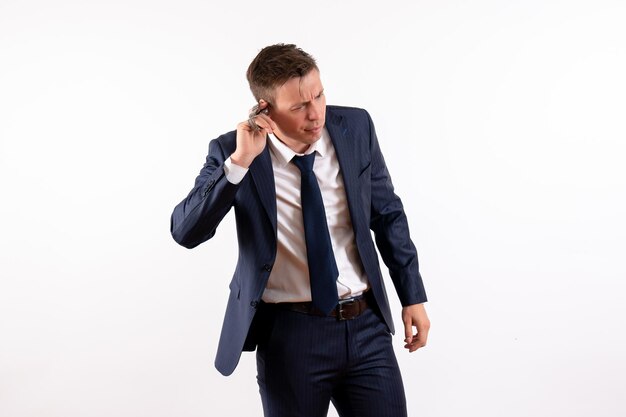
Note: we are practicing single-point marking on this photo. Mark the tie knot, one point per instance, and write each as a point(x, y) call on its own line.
point(304, 163)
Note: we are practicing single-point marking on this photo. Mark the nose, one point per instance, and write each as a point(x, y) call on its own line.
point(314, 111)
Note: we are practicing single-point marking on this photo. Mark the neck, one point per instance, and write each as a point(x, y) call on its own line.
point(295, 146)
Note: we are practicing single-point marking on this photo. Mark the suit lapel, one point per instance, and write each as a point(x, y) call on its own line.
point(349, 165)
point(263, 177)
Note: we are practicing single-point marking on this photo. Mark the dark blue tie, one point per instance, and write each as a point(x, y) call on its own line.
point(323, 271)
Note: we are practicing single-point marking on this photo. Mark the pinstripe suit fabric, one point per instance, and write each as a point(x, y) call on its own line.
point(305, 361)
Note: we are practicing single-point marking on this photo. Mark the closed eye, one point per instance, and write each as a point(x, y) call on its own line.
point(303, 105)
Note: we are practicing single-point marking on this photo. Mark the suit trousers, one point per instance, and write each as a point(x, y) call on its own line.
point(305, 361)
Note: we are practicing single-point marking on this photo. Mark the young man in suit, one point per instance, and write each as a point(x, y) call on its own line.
point(308, 184)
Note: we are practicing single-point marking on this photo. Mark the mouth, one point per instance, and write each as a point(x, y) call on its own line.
point(314, 129)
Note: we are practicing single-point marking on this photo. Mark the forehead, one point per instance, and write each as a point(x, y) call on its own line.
point(300, 89)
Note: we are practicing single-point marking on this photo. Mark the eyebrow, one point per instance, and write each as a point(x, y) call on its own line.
point(306, 102)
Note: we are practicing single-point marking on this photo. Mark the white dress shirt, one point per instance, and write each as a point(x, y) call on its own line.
point(289, 279)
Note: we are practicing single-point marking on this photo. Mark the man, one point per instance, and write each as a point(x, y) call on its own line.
point(308, 182)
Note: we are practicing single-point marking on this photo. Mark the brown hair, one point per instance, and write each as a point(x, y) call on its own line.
point(274, 65)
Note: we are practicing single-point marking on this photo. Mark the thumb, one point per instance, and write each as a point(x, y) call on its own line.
point(408, 329)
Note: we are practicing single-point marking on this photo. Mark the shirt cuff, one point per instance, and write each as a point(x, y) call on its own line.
point(234, 173)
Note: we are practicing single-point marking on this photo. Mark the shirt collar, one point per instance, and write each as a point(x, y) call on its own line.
point(284, 154)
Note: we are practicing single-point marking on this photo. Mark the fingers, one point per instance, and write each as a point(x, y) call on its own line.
point(258, 118)
point(408, 330)
point(260, 123)
point(252, 124)
point(265, 122)
point(257, 124)
point(411, 339)
point(416, 341)
point(412, 342)
point(412, 347)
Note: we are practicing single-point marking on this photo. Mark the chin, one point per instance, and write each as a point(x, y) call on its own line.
point(311, 137)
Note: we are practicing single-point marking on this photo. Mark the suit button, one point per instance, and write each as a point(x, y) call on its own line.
point(267, 267)
point(254, 304)
point(209, 187)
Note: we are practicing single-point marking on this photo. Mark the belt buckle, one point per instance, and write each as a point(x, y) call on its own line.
point(340, 309)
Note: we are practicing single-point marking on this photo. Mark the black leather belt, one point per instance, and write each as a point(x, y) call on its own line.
point(347, 309)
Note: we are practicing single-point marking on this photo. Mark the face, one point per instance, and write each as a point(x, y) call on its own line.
point(299, 111)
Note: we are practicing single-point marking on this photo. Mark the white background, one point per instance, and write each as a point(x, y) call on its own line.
point(502, 123)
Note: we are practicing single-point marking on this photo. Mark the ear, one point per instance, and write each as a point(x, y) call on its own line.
point(264, 105)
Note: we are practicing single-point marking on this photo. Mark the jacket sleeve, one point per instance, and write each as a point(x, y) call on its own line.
point(196, 218)
point(391, 230)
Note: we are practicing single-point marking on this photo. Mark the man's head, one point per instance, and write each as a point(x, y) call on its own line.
point(288, 79)
point(273, 66)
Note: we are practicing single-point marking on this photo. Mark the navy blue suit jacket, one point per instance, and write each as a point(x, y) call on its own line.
point(371, 200)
